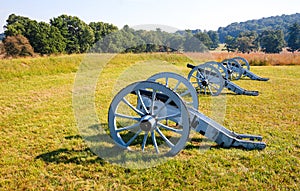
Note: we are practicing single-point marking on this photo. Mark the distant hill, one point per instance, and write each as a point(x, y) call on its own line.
point(282, 22)
point(2, 36)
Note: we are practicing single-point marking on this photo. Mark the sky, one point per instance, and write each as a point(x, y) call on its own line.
point(178, 14)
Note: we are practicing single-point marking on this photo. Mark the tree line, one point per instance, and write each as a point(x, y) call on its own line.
point(283, 23)
point(69, 34)
point(64, 34)
point(268, 41)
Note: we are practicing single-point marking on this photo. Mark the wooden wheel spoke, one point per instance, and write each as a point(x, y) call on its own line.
point(168, 142)
point(154, 141)
point(144, 141)
point(127, 116)
point(134, 137)
point(132, 107)
point(169, 116)
point(185, 93)
point(179, 131)
point(141, 100)
point(152, 104)
point(128, 127)
point(176, 86)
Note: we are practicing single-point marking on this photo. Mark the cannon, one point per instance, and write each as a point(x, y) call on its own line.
point(235, 68)
point(244, 68)
point(207, 78)
point(153, 116)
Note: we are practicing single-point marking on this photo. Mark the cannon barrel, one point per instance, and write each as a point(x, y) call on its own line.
point(190, 66)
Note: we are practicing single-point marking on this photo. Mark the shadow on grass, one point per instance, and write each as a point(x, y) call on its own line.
point(73, 137)
point(87, 155)
point(81, 156)
point(202, 143)
point(67, 156)
point(64, 155)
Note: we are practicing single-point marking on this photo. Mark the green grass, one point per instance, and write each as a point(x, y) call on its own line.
point(41, 148)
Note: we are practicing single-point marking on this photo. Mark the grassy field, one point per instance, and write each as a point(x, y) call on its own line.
point(41, 147)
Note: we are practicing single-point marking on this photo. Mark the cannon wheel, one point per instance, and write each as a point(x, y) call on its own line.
point(243, 62)
point(206, 79)
point(180, 85)
point(234, 68)
point(139, 111)
point(222, 69)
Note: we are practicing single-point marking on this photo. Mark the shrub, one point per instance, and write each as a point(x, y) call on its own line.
point(2, 50)
point(17, 46)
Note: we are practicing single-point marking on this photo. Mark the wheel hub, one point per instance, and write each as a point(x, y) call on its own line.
point(147, 123)
point(204, 82)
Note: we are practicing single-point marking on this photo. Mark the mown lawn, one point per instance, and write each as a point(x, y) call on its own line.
point(41, 147)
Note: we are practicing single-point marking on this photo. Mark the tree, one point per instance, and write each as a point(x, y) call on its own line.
point(294, 38)
point(16, 25)
point(282, 22)
point(271, 41)
point(79, 36)
point(176, 42)
point(48, 39)
point(44, 39)
point(230, 44)
point(19, 25)
point(192, 44)
point(123, 40)
point(102, 29)
point(17, 46)
point(213, 35)
point(246, 42)
point(204, 38)
point(2, 49)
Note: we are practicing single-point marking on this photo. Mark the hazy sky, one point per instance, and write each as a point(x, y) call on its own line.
point(187, 14)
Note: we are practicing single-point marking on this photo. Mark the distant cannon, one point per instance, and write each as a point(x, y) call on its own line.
point(235, 68)
point(212, 77)
point(245, 69)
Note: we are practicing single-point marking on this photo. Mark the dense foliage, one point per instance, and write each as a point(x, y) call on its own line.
point(294, 38)
point(44, 38)
point(78, 36)
point(282, 22)
point(64, 34)
point(271, 41)
point(246, 42)
point(69, 34)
